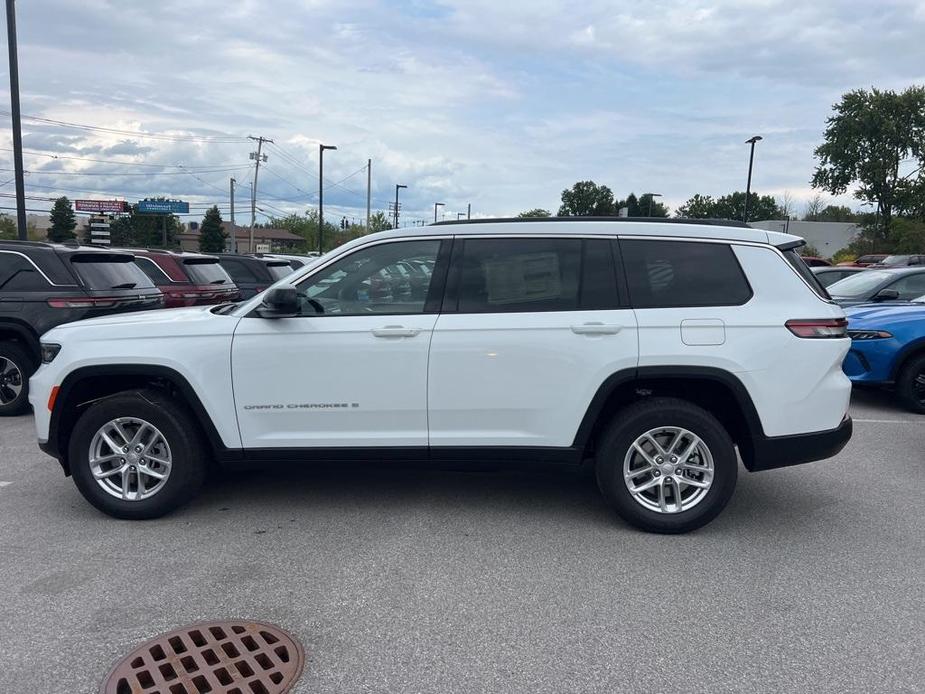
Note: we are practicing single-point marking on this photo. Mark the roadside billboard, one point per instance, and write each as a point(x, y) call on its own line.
point(100, 206)
point(163, 207)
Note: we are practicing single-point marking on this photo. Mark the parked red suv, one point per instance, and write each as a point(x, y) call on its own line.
point(187, 279)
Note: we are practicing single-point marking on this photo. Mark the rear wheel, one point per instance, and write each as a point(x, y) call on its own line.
point(666, 465)
point(15, 369)
point(910, 385)
point(137, 455)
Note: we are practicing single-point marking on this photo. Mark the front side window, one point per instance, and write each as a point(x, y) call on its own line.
point(671, 274)
point(909, 287)
point(370, 281)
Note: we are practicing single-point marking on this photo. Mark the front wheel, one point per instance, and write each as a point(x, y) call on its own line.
point(910, 386)
point(137, 455)
point(666, 465)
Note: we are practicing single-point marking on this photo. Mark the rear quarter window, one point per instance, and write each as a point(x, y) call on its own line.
point(673, 274)
point(803, 271)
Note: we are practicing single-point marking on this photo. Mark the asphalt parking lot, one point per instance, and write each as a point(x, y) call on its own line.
point(413, 580)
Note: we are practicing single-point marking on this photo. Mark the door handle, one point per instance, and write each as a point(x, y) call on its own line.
point(395, 331)
point(596, 329)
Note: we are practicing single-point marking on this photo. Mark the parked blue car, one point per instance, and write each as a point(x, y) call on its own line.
point(888, 349)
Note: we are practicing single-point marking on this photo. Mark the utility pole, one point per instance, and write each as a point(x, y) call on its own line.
point(436, 205)
point(15, 117)
point(397, 188)
point(369, 189)
point(321, 149)
point(259, 158)
point(469, 211)
point(234, 245)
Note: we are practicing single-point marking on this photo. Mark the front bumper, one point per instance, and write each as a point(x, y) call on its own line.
point(772, 452)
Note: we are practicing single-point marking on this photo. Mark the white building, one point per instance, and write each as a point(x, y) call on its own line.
point(826, 237)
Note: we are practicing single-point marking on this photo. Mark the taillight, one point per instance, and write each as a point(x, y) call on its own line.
point(82, 302)
point(818, 328)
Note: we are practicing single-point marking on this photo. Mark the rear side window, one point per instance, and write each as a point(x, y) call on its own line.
point(19, 275)
point(206, 273)
point(519, 275)
point(99, 271)
point(803, 270)
point(150, 268)
point(666, 274)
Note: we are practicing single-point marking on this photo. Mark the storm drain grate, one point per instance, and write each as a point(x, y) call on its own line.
point(231, 657)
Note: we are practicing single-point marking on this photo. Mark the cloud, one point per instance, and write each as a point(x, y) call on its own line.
point(498, 104)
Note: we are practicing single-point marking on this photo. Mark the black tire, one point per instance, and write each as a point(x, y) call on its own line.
point(910, 386)
point(15, 403)
point(189, 454)
point(637, 419)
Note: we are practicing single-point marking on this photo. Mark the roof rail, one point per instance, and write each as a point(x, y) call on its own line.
point(658, 220)
point(32, 244)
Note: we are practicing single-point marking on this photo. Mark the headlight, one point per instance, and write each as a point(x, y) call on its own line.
point(869, 334)
point(49, 352)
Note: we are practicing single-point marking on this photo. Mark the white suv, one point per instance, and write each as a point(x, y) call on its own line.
point(653, 350)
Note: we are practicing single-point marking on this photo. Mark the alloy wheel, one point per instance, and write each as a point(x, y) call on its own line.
point(130, 459)
point(11, 381)
point(668, 470)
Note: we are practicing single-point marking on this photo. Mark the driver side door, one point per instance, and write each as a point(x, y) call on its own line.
point(350, 370)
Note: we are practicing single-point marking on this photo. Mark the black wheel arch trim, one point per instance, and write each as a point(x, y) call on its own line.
point(908, 352)
point(24, 334)
point(172, 376)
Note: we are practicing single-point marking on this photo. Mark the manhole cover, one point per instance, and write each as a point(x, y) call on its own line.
point(232, 657)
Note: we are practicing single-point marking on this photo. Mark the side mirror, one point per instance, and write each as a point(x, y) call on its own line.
point(280, 302)
point(886, 295)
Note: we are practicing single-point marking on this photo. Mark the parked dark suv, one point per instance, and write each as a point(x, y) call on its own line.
point(187, 279)
point(252, 274)
point(44, 285)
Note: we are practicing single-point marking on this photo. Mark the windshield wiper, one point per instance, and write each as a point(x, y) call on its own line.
point(126, 285)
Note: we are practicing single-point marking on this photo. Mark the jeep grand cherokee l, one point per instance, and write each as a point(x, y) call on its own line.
point(653, 351)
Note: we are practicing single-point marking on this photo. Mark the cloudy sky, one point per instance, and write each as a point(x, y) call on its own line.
point(501, 104)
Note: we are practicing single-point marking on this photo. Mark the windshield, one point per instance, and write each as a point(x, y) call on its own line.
point(110, 272)
point(859, 285)
point(895, 259)
point(278, 271)
point(206, 273)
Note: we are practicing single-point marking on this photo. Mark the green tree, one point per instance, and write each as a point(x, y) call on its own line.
point(867, 141)
point(63, 221)
point(586, 199)
point(535, 212)
point(697, 207)
point(760, 207)
point(656, 209)
point(8, 230)
point(379, 221)
point(836, 213)
point(212, 237)
point(907, 236)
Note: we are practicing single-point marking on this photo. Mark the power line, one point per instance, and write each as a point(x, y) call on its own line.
point(34, 172)
point(212, 139)
point(111, 161)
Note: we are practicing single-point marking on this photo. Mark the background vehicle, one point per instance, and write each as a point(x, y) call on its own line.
point(44, 285)
point(829, 275)
point(888, 349)
point(657, 350)
point(814, 261)
point(901, 261)
point(295, 261)
point(864, 260)
point(252, 274)
point(187, 279)
point(875, 285)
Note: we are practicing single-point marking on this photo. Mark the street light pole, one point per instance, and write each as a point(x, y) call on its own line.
point(651, 196)
point(321, 149)
point(17, 125)
point(436, 205)
point(234, 245)
point(397, 188)
point(748, 186)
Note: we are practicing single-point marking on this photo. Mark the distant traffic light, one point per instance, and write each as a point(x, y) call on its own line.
point(343, 223)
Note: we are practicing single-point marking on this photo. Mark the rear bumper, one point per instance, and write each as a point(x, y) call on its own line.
point(783, 451)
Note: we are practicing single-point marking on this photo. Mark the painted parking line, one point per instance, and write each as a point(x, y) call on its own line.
point(4, 484)
point(886, 421)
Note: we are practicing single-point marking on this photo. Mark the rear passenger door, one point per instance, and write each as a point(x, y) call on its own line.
point(530, 328)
